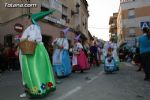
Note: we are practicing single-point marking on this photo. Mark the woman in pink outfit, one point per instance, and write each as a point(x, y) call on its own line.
point(79, 61)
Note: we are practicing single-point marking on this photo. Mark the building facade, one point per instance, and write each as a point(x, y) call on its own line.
point(113, 27)
point(69, 13)
point(133, 15)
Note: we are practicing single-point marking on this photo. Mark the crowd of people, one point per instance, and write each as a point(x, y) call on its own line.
point(40, 69)
point(140, 54)
point(131, 56)
point(65, 59)
point(8, 58)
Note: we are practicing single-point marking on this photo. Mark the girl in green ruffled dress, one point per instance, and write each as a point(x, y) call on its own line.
point(37, 73)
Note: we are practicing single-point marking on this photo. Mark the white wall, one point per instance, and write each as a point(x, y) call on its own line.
point(135, 4)
point(134, 22)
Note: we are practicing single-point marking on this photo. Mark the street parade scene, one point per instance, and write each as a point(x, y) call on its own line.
point(75, 49)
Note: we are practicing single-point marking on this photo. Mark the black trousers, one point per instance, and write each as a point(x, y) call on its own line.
point(145, 58)
point(3, 63)
point(94, 57)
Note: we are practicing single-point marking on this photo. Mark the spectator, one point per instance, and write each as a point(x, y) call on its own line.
point(144, 45)
point(11, 57)
point(5, 57)
point(121, 55)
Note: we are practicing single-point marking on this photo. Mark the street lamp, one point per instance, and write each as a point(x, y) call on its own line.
point(77, 10)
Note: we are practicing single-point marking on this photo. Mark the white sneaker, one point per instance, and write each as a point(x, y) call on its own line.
point(23, 95)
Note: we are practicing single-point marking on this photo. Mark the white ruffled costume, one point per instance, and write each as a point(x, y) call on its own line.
point(115, 61)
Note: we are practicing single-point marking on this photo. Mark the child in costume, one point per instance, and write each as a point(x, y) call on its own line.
point(79, 60)
point(37, 73)
point(110, 57)
point(61, 58)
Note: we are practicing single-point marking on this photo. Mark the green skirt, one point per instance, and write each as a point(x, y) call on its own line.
point(37, 73)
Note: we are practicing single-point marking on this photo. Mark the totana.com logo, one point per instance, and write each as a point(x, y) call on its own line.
point(14, 5)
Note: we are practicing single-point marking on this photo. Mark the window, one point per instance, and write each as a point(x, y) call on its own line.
point(64, 17)
point(131, 32)
point(64, 13)
point(64, 10)
point(56, 5)
point(131, 13)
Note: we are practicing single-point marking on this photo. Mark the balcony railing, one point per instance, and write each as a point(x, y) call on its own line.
point(126, 1)
point(55, 20)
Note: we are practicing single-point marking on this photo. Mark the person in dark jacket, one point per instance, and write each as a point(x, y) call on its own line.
point(93, 51)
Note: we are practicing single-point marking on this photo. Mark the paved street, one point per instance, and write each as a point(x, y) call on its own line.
point(127, 84)
point(74, 32)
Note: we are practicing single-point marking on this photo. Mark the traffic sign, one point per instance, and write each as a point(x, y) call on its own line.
point(145, 24)
point(18, 27)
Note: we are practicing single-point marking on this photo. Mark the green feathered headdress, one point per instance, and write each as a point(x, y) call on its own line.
point(40, 15)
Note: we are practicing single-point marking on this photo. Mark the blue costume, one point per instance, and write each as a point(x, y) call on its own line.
point(110, 58)
point(61, 58)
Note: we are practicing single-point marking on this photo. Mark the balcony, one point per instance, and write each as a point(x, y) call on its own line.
point(55, 20)
point(132, 35)
point(126, 1)
point(113, 25)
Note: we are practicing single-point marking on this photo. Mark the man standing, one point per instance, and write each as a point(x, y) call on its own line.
point(144, 45)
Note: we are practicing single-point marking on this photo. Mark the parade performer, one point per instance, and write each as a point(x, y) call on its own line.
point(99, 55)
point(61, 58)
point(37, 74)
point(110, 57)
point(94, 54)
point(79, 60)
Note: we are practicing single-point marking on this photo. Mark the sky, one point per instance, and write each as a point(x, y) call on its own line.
point(100, 12)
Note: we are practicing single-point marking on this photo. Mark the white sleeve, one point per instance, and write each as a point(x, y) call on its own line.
point(33, 33)
point(38, 34)
point(65, 44)
point(25, 34)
